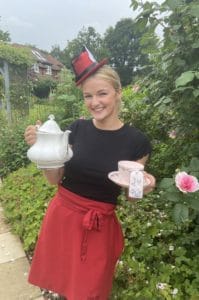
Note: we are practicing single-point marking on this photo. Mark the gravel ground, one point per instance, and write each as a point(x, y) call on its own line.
point(48, 295)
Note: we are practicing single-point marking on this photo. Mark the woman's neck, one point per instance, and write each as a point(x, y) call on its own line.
point(110, 125)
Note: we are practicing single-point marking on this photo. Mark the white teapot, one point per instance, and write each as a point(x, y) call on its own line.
point(51, 149)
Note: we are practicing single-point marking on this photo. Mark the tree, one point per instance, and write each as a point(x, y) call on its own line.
point(120, 45)
point(57, 53)
point(172, 84)
point(88, 37)
point(4, 35)
point(125, 53)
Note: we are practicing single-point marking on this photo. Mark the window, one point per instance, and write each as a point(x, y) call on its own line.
point(49, 70)
point(38, 56)
point(36, 68)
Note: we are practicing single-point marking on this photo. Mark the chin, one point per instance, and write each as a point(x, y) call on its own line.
point(99, 119)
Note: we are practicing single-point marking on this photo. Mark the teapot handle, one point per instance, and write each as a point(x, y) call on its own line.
point(37, 126)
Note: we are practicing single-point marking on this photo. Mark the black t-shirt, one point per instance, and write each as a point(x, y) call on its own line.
point(96, 152)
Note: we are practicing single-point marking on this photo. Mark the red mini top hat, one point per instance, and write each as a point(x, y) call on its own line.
point(85, 64)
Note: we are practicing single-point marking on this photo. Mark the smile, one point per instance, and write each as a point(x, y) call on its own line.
point(98, 109)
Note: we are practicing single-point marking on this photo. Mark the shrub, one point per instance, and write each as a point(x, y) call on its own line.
point(42, 87)
point(182, 192)
point(160, 260)
point(12, 149)
point(171, 147)
point(25, 195)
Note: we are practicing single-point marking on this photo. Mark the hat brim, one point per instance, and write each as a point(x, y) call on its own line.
point(92, 71)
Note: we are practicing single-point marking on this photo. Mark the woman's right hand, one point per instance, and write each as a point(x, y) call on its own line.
point(30, 133)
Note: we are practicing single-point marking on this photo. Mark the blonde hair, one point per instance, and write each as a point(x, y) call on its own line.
point(109, 74)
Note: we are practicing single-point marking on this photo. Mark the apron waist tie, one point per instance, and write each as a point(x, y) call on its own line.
point(92, 220)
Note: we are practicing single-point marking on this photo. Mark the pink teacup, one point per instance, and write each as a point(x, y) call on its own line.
point(125, 167)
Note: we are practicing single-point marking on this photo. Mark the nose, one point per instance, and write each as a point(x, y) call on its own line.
point(95, 100)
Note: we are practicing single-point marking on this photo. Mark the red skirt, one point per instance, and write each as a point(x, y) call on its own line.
point(78, 247)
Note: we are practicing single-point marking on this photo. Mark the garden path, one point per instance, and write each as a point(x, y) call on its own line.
point(14, 267)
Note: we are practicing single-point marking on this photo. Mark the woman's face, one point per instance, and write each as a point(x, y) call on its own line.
point(101, 99)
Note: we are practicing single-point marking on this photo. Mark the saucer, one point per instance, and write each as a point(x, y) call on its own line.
point(114, 176)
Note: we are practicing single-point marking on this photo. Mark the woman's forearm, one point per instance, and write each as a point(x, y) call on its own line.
point(54, 176)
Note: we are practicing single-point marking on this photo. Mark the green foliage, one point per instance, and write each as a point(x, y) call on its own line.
point(160, 260)
point(172, 84)
point(185, 206)
point(43, 86)
point(4, 35)
point(164, 159)
point(171, 87)
point(86, 37)
point(186, 77)
point(170, 153)
point(126, 55)
point(20, 88)
point(14, 55)
point(25, 195)
point(1, 86)
point(68, 98)
point(65, 104)
point(13, 65)
point(41, 111)
point(138, 111)
point(12, 148)
point(57, 53)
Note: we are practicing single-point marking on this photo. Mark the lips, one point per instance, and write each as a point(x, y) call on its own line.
point(98, 109)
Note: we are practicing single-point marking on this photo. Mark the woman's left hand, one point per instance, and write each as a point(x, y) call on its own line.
point(150, 187)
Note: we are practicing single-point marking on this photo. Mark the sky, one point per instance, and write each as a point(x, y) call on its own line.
point(46, 23)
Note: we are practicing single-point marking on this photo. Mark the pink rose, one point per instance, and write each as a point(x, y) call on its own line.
point(186, 183)
point(172, 134)
point(135, 88)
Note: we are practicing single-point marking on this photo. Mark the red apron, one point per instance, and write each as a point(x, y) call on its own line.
point(78, 247)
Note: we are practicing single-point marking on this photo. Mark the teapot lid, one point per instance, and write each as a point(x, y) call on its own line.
point(50, 126)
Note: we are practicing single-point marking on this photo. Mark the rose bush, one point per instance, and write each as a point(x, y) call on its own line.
point(182, 190)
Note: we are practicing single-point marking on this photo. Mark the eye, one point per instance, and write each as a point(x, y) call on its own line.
point(87, 97)
point(102, 94)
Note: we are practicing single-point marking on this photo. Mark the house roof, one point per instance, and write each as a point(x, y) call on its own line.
point(43, 57)
point(54, 61)
point(46, 59)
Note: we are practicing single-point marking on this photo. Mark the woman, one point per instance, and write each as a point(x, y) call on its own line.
point(81, 239)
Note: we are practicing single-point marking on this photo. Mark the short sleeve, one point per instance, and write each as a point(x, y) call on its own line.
point(73, 127)
point(142, 145)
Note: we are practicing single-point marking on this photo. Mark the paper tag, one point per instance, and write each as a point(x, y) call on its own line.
point(136, 184)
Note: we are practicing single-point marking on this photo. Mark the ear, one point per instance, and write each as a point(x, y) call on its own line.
point(119, 93)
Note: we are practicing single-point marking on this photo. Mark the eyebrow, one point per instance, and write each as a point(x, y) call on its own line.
point(102, 90)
